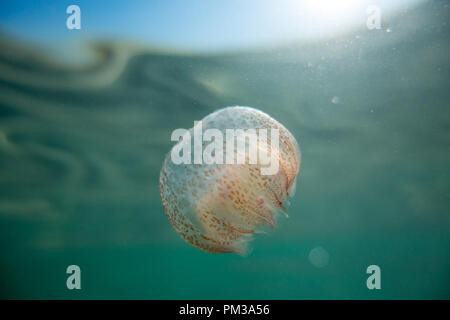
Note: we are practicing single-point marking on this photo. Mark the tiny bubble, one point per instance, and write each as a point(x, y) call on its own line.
point(335, 100)
point(319, 257)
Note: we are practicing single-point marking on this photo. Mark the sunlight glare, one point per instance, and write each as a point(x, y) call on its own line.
point(332, 9)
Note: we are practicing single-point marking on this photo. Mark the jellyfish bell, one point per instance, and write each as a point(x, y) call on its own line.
point(217, 206)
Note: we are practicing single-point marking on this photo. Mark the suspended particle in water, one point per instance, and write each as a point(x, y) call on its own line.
point(335, 100)
point(319, 257)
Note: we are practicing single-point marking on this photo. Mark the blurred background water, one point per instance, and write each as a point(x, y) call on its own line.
point(86, 118)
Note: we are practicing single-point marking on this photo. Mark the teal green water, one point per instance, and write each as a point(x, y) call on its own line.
point(81, 149)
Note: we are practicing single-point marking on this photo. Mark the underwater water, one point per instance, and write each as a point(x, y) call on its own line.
point(81, 150)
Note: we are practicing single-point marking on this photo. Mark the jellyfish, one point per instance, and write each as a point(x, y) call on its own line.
point(218, 206)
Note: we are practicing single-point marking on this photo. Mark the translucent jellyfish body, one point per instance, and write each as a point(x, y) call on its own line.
point(218, 206)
